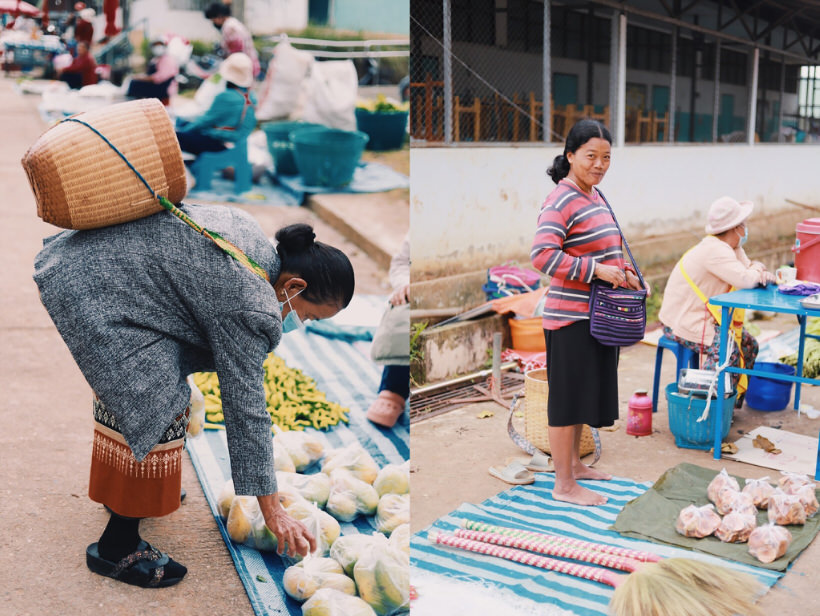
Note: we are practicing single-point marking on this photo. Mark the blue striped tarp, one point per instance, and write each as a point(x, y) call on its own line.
point(532, 508)
point(347, 375)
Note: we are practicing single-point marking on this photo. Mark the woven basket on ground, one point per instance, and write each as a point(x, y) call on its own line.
point(80, 182)
point(536, 426)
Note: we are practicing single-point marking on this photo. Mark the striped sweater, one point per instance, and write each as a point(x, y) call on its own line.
point(574, 233)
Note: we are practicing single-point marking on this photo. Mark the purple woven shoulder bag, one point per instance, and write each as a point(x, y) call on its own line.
point(617, 316)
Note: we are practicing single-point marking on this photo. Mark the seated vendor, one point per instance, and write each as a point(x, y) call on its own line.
point(716, 265)
point(160, 78)
point(231, 116)
point(82, 71)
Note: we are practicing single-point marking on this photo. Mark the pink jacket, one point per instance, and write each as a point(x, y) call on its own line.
point(714, 267)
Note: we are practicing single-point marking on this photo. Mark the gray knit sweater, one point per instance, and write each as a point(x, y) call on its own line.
point(143, 304)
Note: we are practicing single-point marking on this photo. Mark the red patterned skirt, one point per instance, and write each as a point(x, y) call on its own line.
point(132, 489)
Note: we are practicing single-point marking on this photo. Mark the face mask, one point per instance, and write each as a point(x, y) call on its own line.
point(292, 321)
point(744, 237)
point(158, 50)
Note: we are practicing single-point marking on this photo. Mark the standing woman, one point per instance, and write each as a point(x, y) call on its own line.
point(142, 305)
point(577, 241)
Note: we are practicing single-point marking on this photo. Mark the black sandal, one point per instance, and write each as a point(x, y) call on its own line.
point(144, 567)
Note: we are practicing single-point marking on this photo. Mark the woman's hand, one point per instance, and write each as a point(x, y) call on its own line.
point(633, 282)
point(611, 274)
point(288, 530)
point(400, 295)
point(766, 278)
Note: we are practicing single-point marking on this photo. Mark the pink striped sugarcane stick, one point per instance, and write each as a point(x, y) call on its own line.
point(603, 576)
point(552, 549)
point(638, 555)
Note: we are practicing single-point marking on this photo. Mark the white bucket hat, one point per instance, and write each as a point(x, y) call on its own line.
point(88, 14)
point(238, 68)
point(726, 213)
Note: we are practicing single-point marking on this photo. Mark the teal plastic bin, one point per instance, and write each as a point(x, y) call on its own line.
point(386, 129)
point(327, 156)
point(280, 145)
point(684, 410)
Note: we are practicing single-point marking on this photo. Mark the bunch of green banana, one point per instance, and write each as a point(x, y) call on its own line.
point(293, 400)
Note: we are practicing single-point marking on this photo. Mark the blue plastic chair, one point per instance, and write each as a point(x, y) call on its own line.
point(686, 358)
point(209, 163)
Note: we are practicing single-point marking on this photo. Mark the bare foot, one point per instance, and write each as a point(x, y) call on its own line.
point(579, 495)
point(582, 471)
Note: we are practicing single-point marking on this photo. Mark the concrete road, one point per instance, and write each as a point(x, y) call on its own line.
point(46, 517)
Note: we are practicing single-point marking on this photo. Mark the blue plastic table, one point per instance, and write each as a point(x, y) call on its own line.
point(769, 300)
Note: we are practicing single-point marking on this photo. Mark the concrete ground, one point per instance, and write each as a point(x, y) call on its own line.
point(444, 477)
point(45, 444)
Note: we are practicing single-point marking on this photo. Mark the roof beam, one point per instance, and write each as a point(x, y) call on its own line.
point(625, 7)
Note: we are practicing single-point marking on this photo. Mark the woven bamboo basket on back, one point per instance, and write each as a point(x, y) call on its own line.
point(80, 182)
point(536, 426)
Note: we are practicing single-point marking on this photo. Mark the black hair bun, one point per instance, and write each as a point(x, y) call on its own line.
point(560, 168)
point(295, 238)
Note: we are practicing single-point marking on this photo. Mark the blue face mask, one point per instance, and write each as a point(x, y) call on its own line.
point(744, 237)
point(292, 321)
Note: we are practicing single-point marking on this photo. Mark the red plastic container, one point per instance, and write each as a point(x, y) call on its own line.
point(639, 419)
point(806, 250)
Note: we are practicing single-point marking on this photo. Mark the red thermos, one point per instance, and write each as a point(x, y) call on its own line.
point(639, 419)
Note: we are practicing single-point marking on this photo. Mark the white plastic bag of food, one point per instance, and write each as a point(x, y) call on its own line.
point(331, 602)
point(349, 496)
point(225, 499)
point(769, 542)
point(324, 528)
point(808, 498)
point(736, 527)
point(354, 458)
point(347, 549)
point(314, 487)
point(785, 509)
point(697, 522)
point(281, 459)
point(760, 491)
point(304, 447)
point(393, 511)
point(790, 482)
point(246, 524)
point(393, 479)
point(302, 580)
point(400, 538)
point(721, 480)
point(742, 503)
point(196, 419)
point(724, 499)
point(383, 579)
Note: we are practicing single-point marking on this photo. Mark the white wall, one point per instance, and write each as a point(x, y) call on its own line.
point(261, 17)
point(476, 206)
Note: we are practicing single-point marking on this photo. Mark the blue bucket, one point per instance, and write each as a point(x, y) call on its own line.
point(684, 410)
point(768, 394)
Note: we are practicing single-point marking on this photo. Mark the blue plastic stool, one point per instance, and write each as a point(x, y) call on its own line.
point(209, 163)
point(686, 358)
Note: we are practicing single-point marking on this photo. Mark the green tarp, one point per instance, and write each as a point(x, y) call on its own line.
point(652, 516)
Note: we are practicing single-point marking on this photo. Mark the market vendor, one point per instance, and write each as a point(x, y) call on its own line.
point(160, 76)
point(717, 264)
point(231, 116)
point(142, 305)
point(82, 71)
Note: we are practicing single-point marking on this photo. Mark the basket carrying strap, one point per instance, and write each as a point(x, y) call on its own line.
point(531, 449)
point(227, 246)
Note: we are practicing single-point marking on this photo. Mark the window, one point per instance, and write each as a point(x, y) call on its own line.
point(473, 21)
point(572, 37)
point(649, 50)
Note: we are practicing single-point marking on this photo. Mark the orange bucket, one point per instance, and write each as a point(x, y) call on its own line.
point(527, 335)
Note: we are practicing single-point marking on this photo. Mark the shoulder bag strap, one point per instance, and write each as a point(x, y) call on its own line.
point(623, 239)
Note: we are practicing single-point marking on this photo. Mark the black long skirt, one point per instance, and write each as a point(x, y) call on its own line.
point(582, 375)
